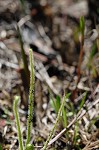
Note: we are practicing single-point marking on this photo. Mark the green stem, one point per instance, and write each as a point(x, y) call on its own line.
point(15, 109)
point(31, 98)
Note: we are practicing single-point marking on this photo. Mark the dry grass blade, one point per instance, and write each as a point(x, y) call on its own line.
point(78, 117)
point(92, 145)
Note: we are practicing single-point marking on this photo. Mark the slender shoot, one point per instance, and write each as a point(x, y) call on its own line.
point(24, 59)
point(31, 98)
point(15, 109)
point(82, 29)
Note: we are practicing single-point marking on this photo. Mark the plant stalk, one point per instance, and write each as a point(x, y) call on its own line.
point(31, 98)
point(20, 138)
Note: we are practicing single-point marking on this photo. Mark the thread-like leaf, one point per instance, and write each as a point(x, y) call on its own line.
point(15, 109)
point(31, 98)
point(24, 59)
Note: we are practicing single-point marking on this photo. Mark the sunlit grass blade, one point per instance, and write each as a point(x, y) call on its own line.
point(82, 25)
point(56, 103)
point(83, 101)
point(56, 122)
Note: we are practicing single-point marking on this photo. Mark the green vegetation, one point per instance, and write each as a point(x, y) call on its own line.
point(30, 111)
point(31, 99)
point(16, 100)
point(82, 29)
point(24, 59)
point(0, 147)
point(56, 104)
point(56, 122)
point(63, 109)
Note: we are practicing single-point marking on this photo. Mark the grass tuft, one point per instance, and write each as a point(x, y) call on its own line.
point(56, 122)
